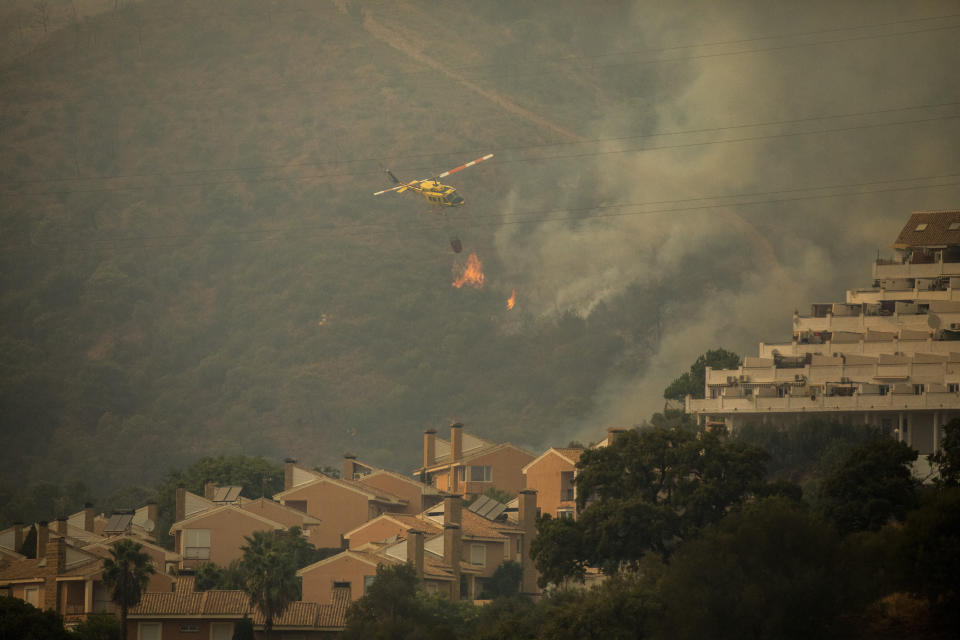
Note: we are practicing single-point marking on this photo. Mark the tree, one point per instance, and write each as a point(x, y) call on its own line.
point(22, 621)
point(270, 575)
point(947, 458)
point(244, 630)
point(623, 607)
point(126, 575)
point(871, 485)
point(557, 551)
point(767, 570)
point(505, 581)
point(390, 607)
point(693, 382)
point(646, 491)
point(98, 626)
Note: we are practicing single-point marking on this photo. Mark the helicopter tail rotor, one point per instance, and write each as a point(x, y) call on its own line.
point(392, 177)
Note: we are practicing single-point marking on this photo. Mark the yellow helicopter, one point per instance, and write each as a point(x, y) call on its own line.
point(431, 189)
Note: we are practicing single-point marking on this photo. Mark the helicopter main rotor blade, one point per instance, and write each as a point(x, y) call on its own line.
point(400, 188)
point(464, 166)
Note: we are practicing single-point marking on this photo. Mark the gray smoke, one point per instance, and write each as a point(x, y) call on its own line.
point(746, 267)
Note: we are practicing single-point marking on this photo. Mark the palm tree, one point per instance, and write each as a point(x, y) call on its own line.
point(126, 575)
point(270, 575)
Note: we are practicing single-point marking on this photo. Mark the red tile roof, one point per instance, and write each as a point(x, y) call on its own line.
point(936, 233)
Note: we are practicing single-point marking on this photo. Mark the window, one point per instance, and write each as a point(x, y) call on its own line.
point(367, 581)
point(953, 387)
point(299, 505)
point(918, 389)
point(149, 631)
point(954, 226)
point(480, 473)
point(565, 514)
point(478, 554)
point(921, 226)
point(189, 627)
point(196, 543)
point(32, 596)
point(506, 549)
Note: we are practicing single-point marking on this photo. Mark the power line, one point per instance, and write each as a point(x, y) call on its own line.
point(295, 165)
point(542, 216)
point(717, 43)
point(502, 161)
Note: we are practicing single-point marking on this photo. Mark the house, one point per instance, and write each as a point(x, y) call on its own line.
point(217, 535)
point(212, 615)
point(455, 551)
point(418, 495)
point(467, 465)
point(339, 504)
point(551, 475)
point(65, 578)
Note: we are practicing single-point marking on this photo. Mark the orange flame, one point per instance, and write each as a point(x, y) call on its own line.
point(470, 274)
point(512, 300)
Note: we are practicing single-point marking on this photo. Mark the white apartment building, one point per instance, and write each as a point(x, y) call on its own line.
point(889, 355)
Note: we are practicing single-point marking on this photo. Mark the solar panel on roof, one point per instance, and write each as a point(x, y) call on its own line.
point(119, 522)
point(487, 507)
point(227, 494)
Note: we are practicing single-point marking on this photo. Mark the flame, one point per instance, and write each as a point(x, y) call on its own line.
point(470, 274)
point(512, 300)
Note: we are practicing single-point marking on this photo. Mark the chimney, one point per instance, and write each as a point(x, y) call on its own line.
point(209, 489)
point(453, 510)
point(349, 468)
point(415, 551)
point(61, 525)
point(451, 555)
point(43, 534)
point(181, 511)
point(153, 512)
point(456, 442)
point(528, 522)
point(429, 447)
point(88, 517)
point(288, 465)
point(17, 536)
point(56, 554)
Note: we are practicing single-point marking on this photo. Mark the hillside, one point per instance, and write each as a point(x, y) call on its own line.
point(194, 262)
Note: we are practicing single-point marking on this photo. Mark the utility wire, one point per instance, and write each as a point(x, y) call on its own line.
point(172, 241)
point(466, 152)
point(187, 185)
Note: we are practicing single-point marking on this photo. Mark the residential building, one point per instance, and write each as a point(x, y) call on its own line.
point(551, 475)
point(339, 504)
point(888, 355)
point(453, 550)
point(212, 615)
point(217, 535)
point(467, 465)
point(67, 579)
point(419, 496)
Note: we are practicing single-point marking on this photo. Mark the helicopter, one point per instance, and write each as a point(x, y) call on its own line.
point(434, 192)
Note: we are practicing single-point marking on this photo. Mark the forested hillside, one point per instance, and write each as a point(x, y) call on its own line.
point(194, 264)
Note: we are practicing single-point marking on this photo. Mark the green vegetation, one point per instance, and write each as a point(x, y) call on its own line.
point(125, 575)
point(240, 291)
point(24, 621)
point(692, 382)
point(766, 566)
point(645, 492)
point(269, 574)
